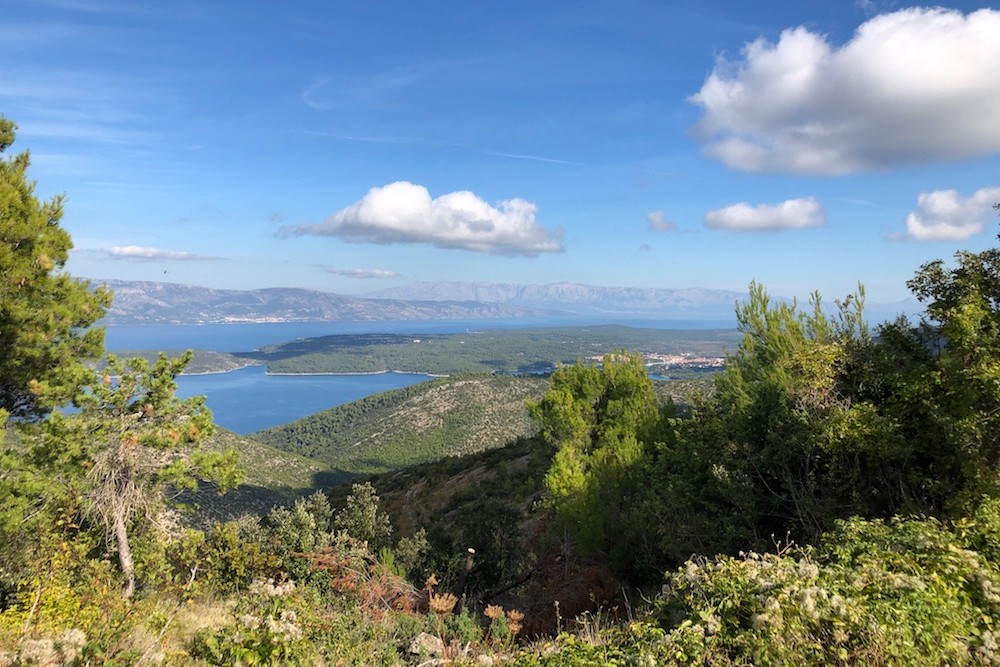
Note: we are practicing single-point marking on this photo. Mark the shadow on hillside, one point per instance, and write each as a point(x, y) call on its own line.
point(209, 506)
point(327, 479)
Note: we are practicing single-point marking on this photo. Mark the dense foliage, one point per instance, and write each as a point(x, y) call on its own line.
point(598, 419)
point(878, 447)
point(44, 313)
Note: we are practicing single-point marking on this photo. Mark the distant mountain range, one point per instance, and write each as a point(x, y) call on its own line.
point(579, 299)
point(693, 303)
point(141, 302)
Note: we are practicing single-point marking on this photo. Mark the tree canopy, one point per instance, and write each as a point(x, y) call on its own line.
point(816, 418)
point(45, 315)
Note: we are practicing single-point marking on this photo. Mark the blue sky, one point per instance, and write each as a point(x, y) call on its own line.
point(354, 146)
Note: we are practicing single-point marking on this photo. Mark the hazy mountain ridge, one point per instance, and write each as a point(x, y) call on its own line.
point(144, 302)
point(581, 299)
point(578, 298)
point(147, 302)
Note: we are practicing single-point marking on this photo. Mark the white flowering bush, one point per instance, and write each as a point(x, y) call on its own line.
point(268, 628)
point(904, 592)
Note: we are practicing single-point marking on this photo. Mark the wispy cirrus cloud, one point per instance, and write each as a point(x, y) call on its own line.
point(790, 214)
point(327, 93)
point(533, 158)
point(364, 274)
point(911, 86)
point(657, 221)
point(134, 253)
point(944, 215)
point(79, 105)
point(376, 139)
point(404, 212)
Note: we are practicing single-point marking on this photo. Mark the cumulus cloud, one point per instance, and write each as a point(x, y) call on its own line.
point(658, 222)
point(403, 212)
point(910, 86)
point(791, 214)
point(361, 273)
point(943, 215)
point(134, 253)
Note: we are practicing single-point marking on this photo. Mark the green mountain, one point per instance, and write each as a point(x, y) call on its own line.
point(431, 420)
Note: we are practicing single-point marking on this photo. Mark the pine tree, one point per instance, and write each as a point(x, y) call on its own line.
point(131, 439)
point(45, 315)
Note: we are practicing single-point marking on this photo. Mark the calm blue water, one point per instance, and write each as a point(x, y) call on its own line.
point(248, 400)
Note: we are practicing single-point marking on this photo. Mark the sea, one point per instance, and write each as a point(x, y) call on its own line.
point(249, 399)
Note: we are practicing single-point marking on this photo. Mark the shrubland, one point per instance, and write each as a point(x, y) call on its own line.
point(832, 500)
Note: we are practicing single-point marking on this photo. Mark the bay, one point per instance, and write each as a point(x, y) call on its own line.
point(250, 399)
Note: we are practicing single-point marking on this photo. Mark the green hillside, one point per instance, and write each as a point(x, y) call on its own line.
point(273, 477)
point(431, 420)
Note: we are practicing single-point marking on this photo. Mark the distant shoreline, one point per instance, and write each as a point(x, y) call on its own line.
point(228, 370)
point(344, 373)
point(348, 374)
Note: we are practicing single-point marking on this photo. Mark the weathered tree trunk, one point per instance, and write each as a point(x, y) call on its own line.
point(470, 555)
point(124, 554)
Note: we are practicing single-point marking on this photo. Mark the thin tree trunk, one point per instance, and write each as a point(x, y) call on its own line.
point(124, 554)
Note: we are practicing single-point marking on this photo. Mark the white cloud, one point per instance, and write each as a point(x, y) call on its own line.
point(361, 273)
point(658, 222)
point(791, 214)
point(134, 253)
point(403, 212)
point(943, 215)
point(910, 86)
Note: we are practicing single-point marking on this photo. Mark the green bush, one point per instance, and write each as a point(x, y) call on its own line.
point(906, 592)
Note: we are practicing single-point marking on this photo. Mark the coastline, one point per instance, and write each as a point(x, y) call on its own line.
point(353, 373)
point(228, 370)
point(321, 373)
